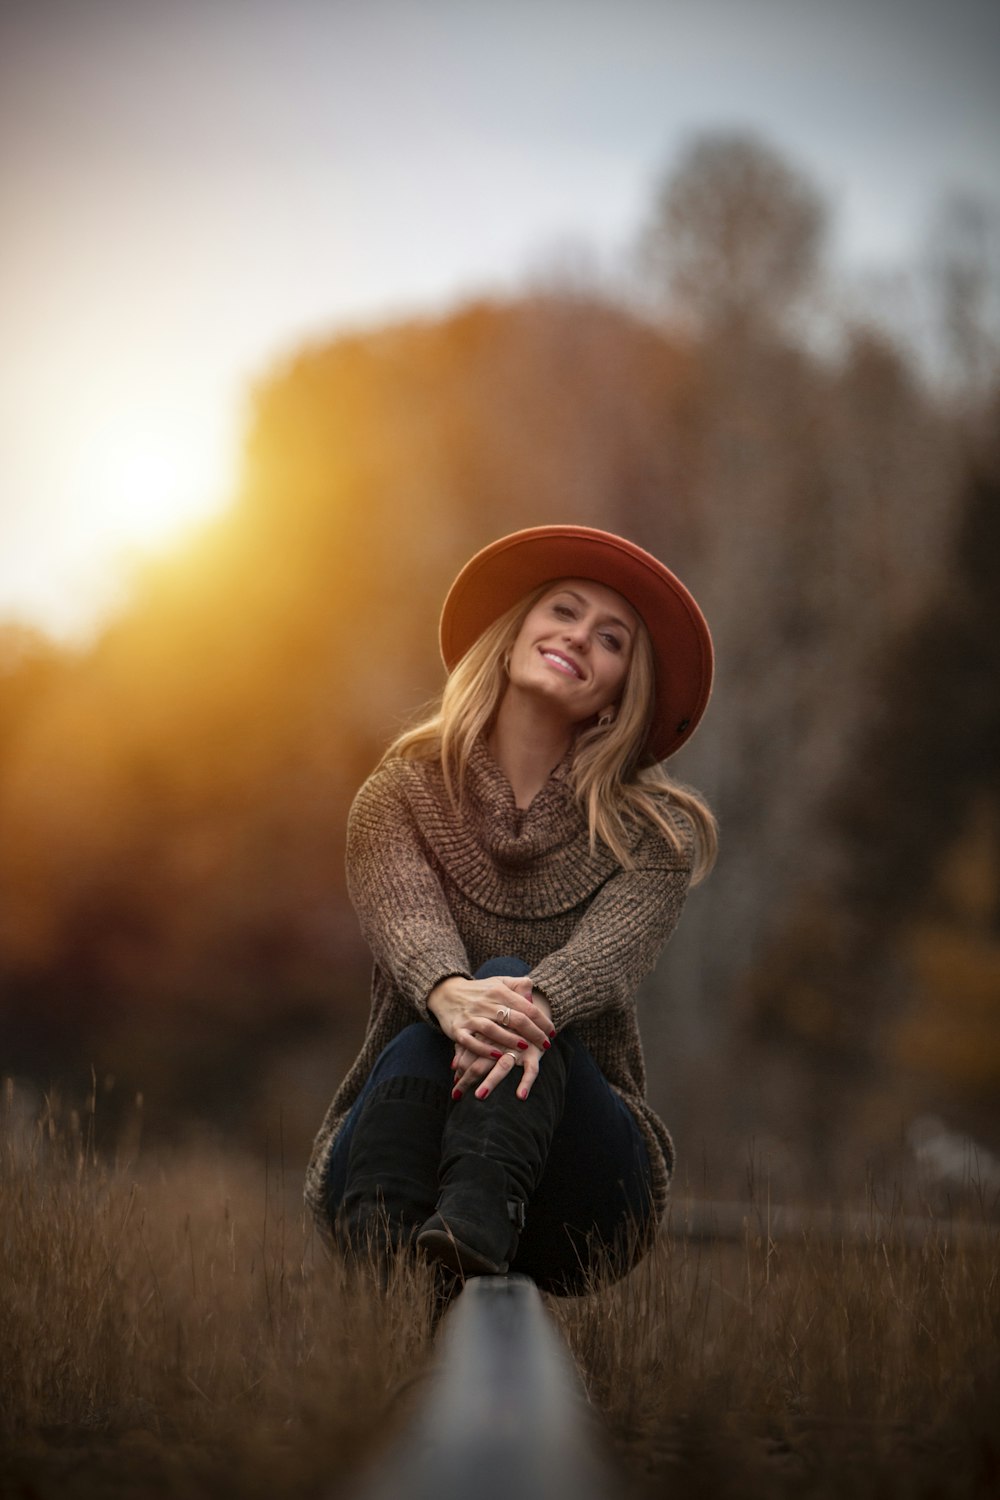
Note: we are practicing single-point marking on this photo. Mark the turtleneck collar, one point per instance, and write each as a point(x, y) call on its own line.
point(529, 861)
point(517, 833)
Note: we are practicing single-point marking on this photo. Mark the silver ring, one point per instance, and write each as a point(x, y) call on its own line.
point(503, 1015)
point(511, 1054)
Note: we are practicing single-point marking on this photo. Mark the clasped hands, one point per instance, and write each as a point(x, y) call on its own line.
point(494, 1024)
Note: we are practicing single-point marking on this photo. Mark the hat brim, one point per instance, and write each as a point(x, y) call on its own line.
point(496, 578)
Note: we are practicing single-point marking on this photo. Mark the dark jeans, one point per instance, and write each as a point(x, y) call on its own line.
point(592, 1207)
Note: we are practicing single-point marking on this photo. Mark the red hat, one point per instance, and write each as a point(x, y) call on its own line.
point(501, 574)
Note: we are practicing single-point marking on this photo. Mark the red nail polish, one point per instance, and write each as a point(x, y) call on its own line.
point(497, 1055)
point(522, 1094)
point(456, 1093)
point(523, 1046)
point(481, 1093)
point(547, 1046)
point(552, 1035)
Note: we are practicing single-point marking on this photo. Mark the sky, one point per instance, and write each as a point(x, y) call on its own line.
point(191, 189)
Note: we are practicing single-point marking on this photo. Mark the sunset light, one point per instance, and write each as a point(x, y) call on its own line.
point(128, 475)
point(145, 476)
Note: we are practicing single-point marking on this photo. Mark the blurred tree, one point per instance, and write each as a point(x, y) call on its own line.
point(963, 267)
point(894, 960)
point(947, 1035)
point(735, 237)
point(823, 492)
point(29, 666)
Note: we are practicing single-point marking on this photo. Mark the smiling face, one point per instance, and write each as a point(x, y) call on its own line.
point(574, 648)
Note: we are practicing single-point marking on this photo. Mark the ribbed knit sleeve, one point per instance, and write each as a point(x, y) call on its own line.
point(615, 944)
point(398, 898)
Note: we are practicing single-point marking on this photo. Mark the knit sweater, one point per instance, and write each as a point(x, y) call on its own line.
point(438, 890)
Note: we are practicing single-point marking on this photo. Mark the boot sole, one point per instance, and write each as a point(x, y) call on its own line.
point(440, 1245)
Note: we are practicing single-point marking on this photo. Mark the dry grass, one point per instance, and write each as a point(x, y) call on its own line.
point(171, 1328)
point(809, 1367)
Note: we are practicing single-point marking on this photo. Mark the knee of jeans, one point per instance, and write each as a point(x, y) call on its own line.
point(505, 967)
point(417, 1049)
point(569, 1040)
point(576, 1052)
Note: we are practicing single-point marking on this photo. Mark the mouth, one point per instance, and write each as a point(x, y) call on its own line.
point(562, 663)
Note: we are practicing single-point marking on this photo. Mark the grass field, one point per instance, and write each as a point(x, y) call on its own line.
point(170, 1326)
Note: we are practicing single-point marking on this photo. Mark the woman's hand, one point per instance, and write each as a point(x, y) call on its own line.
point(491, 1017)
point(486, 1073)
point(471, 1067)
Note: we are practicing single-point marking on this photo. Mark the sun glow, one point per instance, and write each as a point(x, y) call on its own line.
point(116, 479)
point(144, 479)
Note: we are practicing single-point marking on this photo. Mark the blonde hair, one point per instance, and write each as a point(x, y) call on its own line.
point(613, 780)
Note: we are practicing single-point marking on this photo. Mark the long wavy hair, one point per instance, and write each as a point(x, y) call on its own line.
point(618, 786)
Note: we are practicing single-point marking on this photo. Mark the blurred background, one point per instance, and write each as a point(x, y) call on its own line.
point(304, 302)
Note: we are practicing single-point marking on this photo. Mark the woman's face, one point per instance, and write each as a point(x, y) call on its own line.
point(574, 648)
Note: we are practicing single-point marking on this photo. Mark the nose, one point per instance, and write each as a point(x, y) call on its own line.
point(577, 633)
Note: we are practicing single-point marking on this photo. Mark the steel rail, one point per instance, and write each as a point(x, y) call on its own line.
point(503, 1411)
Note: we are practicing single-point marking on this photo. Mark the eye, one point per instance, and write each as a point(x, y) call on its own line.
point(611, 641)
point(563, 610)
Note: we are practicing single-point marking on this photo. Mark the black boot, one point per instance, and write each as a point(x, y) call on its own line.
point(392, 1167)
point(493, 1153)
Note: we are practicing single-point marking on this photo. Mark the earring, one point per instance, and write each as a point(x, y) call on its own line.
point(606, 719)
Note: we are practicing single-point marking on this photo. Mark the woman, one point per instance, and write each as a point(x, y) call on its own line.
point(517, 862)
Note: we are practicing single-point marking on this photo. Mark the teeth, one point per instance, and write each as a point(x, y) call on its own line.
point(563, 661)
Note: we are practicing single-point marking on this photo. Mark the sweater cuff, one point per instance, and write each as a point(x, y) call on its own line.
point(557, 990)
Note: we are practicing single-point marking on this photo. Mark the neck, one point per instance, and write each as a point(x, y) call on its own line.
point(527, 744)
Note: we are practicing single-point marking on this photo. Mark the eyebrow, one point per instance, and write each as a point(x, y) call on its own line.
point(611, 619)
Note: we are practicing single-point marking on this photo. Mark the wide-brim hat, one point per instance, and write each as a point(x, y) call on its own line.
point(496, 578)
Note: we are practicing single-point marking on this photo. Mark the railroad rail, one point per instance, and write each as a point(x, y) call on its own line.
point(503, 1411)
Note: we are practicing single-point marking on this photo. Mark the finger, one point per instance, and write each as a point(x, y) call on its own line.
point(518, 1031)
point(522, 1026)
point(496, 1075)
point(484, 1042)
point(531, 1017)
point(469, 1067)
point(491, 1028)
point(473, 1074)
point(516, 994)
point(541, 1019)
point(523, 991)
point(530, 1070)
point(521, 985)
